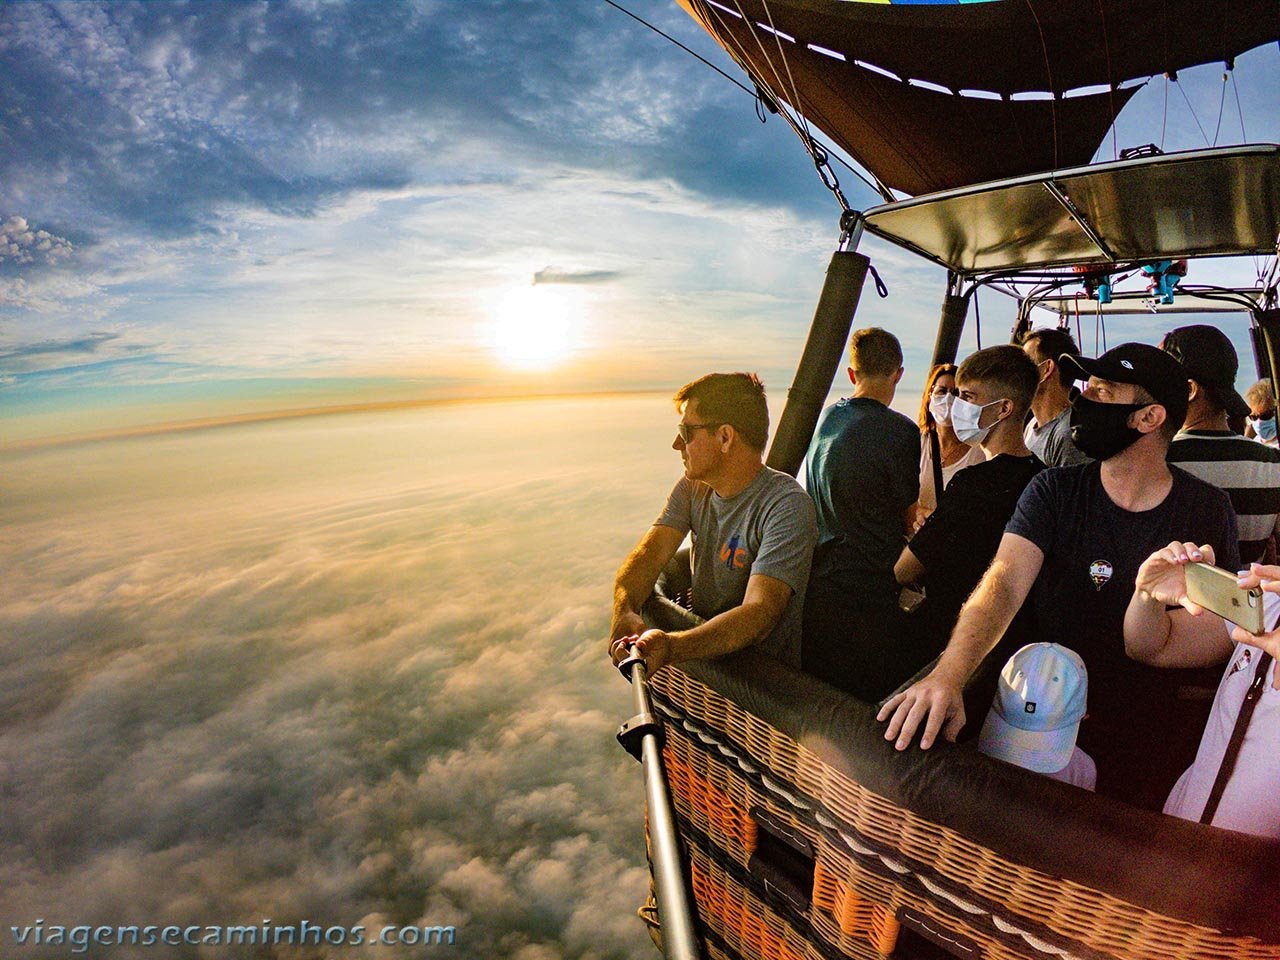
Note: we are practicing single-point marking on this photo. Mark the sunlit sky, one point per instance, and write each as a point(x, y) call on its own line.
point(215, 208)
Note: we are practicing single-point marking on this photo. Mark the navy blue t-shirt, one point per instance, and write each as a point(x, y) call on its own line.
point(1092, 551)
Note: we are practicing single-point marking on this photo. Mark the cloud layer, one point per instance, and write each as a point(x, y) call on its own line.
point(227, 693)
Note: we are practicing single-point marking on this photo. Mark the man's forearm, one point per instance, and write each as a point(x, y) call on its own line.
point(724, 633)
point(983, 620)
point(629, 595)
point(639, 572)
point(1147, 627)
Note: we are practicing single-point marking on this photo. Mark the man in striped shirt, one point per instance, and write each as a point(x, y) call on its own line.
point(1205, 446)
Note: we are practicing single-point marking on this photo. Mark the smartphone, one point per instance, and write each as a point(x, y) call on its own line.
point(1215, 589)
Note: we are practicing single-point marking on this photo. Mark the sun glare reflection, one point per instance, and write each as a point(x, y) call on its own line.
point(536, 326)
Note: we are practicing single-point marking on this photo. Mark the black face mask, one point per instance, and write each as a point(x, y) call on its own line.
point(1101, 430)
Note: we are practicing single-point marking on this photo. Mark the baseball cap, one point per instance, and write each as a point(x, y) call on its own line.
point(1210, 360)
point(1036, 714)
point(1157, 372)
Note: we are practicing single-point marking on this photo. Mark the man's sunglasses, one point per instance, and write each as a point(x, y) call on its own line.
point(686, 429)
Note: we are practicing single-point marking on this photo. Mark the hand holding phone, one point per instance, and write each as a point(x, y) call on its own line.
point(1216, 589)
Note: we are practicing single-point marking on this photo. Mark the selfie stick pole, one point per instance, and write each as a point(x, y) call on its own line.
point(641, 736)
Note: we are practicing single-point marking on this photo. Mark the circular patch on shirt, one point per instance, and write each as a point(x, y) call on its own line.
point(1100, 572)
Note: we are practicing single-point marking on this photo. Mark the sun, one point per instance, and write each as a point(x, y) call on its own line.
point(535, 326)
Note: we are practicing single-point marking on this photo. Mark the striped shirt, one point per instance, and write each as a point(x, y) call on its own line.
point(1249, 473)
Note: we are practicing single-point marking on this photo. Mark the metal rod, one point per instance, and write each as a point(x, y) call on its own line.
point(950, 327)
point(1081, 220)
point(828, 336)
point(679, 939)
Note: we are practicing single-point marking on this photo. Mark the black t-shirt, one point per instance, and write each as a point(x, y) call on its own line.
point(959, 539)
point(1092, 551)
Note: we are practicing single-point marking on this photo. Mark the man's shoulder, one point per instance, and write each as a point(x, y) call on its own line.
point(779, 483)
point(862, 412)
point(902, 422)
point(992, 480)
point(1002, 468)
point(1069, 481)
point(774, 486)
point(1061, 422)
point(780, 506)
point(1058, 493)
point(974, 477)
point(693, 491)
point(890, 423)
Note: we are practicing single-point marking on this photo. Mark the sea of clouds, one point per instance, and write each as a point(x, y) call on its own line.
point(347, 669)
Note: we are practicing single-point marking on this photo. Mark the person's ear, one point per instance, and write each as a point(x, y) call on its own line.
point(853, 377)
point(1150, 418)
point(897, 377)
point(725, 435)
point(1193, 390)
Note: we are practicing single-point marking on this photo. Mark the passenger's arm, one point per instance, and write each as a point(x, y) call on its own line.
point(749, 622)
point(908, 569)
point(936, 700)
point(1190, 637)
point(636, 577)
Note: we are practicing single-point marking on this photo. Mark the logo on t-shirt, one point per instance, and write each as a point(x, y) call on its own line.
point(1100, 572)
point(732, 555)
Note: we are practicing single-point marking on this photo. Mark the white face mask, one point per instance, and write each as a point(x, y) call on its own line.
point(1264, 428)
point(940, 407)
point(965, 417)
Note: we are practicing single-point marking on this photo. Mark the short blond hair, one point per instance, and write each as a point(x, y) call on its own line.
point(874, 352)
point(1260, 394)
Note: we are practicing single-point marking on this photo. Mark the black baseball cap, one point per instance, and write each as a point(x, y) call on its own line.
point(1155, 371)
point(1210, 360)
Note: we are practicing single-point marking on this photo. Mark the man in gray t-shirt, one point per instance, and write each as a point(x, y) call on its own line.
point(1048, 430)
point(1052, 442)
point(753, 532)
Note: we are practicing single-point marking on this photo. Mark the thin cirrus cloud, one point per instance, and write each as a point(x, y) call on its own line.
point(584, 277)
point(81, 345)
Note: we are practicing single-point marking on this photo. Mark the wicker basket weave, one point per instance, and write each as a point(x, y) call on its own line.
point(882, 877)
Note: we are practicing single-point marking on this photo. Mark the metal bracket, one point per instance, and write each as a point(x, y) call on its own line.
point(624, 666)
point(632, 733)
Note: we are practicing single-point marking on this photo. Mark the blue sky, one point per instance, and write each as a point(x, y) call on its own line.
point(206, 207)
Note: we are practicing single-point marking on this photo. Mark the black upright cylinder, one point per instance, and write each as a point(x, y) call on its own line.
point(1269, 321)
point(1261, 355)
point(950, 327)
point(823, 351)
